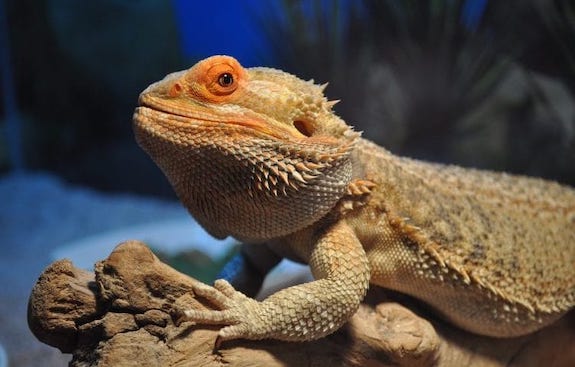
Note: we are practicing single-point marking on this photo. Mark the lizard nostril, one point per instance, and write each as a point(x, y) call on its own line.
point(303, 127)
point(176, 90)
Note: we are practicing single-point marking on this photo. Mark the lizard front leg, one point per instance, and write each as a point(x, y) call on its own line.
point(303, 312)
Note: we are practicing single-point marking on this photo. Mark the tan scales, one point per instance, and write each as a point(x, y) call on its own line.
point(258, 154)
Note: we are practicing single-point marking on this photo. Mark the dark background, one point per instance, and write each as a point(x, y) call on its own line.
point(480, 83)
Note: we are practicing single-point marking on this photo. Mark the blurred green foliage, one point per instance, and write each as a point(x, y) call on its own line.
point(196, 263)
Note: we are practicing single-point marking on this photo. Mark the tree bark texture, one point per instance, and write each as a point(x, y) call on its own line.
point(126, 314)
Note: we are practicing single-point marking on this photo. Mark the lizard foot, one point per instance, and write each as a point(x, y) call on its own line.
point(241, 314)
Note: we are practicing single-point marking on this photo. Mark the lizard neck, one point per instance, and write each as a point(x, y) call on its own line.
point(232, 189)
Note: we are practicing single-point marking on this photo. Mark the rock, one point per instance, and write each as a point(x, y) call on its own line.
point(126, 314)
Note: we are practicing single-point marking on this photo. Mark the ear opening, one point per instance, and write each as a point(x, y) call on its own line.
point(304, 127)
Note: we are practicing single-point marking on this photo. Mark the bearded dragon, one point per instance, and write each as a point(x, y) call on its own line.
point(259, 154)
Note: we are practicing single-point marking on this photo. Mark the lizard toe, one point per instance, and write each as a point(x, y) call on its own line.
point(211, 317)
point(214, 295)
point(228, 290)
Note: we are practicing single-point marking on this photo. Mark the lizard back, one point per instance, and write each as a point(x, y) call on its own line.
point(502, 237)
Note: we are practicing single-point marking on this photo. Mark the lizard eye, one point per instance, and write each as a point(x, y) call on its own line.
point(221, 79)
point(215, 79)
point(225, 80)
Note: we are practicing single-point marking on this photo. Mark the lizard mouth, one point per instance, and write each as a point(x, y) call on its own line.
point(149, 113)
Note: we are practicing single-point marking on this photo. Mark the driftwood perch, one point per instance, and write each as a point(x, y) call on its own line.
point(125, 314)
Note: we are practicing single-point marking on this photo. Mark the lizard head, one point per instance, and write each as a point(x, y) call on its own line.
point(254, 153)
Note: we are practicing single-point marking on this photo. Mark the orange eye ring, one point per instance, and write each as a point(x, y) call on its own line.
point(216, 79)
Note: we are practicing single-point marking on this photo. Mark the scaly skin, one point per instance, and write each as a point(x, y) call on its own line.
point(258, 154)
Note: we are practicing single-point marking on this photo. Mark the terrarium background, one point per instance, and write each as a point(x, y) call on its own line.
point(480, 83)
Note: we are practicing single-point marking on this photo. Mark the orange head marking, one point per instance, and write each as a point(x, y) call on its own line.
point(212, 80)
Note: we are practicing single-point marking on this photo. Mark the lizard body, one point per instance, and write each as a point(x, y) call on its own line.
point(258, 154)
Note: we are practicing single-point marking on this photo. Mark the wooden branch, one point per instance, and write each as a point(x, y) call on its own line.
point(124, 315)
